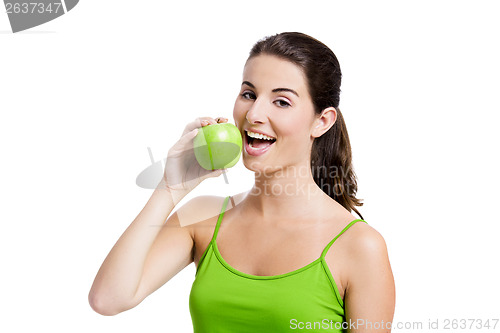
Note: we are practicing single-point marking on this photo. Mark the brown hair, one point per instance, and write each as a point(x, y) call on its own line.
point(331, 157)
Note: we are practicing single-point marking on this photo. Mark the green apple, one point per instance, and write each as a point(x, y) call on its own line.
point(217, 146)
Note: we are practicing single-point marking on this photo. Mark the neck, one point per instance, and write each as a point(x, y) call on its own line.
point(286, 192)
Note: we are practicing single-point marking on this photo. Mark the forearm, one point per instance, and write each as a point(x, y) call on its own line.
point(118, 278)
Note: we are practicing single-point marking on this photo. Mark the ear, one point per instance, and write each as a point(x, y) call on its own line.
point(323, 122)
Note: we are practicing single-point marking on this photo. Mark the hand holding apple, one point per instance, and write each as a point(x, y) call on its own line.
point(218, 146)
point(182, 171)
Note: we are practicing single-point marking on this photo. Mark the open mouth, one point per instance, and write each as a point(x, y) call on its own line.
point(258, 141)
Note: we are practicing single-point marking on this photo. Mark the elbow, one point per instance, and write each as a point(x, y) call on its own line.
point(103, 306)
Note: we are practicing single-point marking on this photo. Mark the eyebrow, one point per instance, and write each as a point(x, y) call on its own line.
point(274, 90)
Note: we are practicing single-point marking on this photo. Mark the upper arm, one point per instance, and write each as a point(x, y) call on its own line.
point(172, 250)
point(370, 291)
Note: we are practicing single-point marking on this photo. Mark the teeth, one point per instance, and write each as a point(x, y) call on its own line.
point(259, 136)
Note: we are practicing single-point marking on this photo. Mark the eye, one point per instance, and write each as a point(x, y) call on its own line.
point(282, 103)
point(248, 95)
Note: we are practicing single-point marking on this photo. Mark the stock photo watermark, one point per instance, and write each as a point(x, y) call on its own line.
point(334, 180)
point(25, 15)
point(269, 181)
point(486, 324)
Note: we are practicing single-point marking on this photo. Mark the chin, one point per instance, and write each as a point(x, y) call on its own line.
point(262, 168)
point(259, 166)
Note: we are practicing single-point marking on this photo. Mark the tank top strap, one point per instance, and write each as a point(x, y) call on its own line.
point(323, 254)
point(219, 220)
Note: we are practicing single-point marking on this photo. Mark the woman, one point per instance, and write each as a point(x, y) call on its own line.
point(286, 255)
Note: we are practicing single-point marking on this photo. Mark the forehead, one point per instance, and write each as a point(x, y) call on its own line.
point(266, 71)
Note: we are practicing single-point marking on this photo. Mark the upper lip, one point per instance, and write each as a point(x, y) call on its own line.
point(257, 131)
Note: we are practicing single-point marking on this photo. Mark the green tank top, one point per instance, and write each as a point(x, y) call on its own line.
point(223, 299)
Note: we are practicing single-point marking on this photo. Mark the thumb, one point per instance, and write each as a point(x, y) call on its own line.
point(192, 134)
point(189, 136)
point(183, 144)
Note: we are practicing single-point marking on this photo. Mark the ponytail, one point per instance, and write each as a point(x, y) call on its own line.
point(331, 165)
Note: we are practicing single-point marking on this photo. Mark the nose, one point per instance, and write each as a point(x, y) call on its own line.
point(257, 113)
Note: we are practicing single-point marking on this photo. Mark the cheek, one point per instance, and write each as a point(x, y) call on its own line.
point(238, 112)
point(293, 127)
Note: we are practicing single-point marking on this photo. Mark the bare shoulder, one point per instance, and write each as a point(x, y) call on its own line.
point(366, 252)
point(364, 241)
point(202, 211)
point(200, 216)
point(357, 245)
point(369, 284)
point(198, 211)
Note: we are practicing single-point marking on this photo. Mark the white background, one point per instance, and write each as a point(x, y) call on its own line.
point(83, 96)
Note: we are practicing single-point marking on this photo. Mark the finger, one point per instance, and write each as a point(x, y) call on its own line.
point(183, 145)
point(185, 141)
point(199, 122)
point(211, 121)
point(221, 120)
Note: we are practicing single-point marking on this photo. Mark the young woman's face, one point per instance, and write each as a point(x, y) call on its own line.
point(274, 100)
